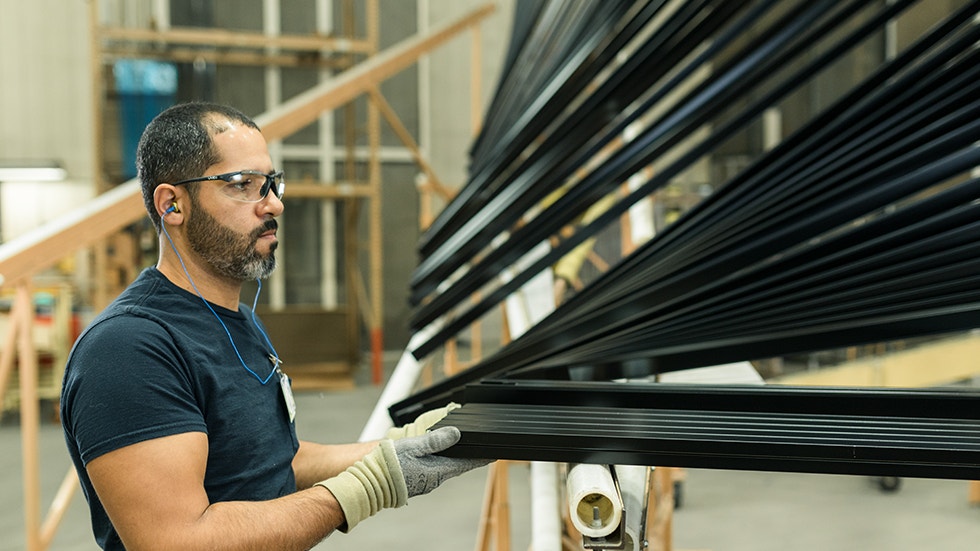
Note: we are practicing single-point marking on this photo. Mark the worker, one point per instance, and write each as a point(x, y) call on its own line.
point(177, 414)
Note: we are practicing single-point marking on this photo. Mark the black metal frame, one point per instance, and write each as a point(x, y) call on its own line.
point(891, 106)
point(858, 228)
point(916, 433)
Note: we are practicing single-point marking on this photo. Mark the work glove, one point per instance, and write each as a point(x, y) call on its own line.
point(395, 471)
point(422, 469)
point(421, 423)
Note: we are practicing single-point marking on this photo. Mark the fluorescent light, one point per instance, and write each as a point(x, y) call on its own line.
point(31, 171)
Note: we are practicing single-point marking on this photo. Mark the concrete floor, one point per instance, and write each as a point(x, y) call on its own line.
point(722, 510)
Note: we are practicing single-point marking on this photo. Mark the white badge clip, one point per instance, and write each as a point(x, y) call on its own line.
point(287, 394)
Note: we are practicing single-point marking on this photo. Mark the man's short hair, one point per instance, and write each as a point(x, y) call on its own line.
point(178, 145)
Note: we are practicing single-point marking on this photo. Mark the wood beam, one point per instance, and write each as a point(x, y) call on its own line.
point(476, 81)
point(212, 37)
point(406, 138)
point(22, 319)
point(310, 190)
point(190, 55)
point(942, 362)
point(304, 108)
point(44, 246)
point(59, 506)
point(7, 357)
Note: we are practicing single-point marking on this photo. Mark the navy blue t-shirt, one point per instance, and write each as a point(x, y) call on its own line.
point(157, 362)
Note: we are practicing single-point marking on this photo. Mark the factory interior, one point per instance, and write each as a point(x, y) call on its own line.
point(697, 275)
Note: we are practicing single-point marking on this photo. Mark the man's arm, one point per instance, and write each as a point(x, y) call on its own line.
point(154, 495)
point(315, 462)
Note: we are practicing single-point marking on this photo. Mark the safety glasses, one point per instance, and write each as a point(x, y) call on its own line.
point(248, 186)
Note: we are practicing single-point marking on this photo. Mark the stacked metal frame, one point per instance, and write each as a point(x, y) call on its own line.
point(917, 433)
point(857, 228)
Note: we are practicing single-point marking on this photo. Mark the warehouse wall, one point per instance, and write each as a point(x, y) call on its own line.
point(45, 106)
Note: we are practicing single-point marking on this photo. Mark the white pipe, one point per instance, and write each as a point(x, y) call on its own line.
point(545, 507)
point(272, 26)
point(524, 308)
point(324, 153)
point(594, 504)
point(399, 386)
point(633, 483)
point(424, 81)
point(772, 128)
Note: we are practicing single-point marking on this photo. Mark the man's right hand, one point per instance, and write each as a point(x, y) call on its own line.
point(395, 471)
point(422, 469)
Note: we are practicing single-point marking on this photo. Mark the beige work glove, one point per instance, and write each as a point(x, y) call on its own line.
point(395, 471)
point(421, 423)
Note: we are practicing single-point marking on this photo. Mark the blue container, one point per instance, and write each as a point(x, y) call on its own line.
point(145, 88)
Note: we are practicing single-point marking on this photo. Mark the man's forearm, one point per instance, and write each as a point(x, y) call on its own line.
point(315, 462)
point(295, 522)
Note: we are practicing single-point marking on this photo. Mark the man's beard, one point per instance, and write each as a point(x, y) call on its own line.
point(229, 253)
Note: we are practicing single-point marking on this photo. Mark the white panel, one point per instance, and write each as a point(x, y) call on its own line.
point(28, 205)
point(45, 101)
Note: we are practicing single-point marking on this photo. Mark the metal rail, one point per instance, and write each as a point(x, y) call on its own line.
point(931, 434)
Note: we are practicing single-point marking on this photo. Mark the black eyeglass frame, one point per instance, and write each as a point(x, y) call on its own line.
point(229, 177)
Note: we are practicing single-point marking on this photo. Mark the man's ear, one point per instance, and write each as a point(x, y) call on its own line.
point(167, 203)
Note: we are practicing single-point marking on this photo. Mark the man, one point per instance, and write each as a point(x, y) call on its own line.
point(176, 414)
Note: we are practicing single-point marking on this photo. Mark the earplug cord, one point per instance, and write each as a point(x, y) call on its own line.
point(275, 354)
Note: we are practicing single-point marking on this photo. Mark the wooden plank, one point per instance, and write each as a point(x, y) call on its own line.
point(493, 532)
point(974, 492)
point(7, 358)
point(212, 37)
point(476, 82)
point(190, 55)
point(942, 362)
point(59, 507)
point(22, 316)
point(324, 190)
point(406, 138)
point(501, 507)
point(304, 108)
point(44, 246)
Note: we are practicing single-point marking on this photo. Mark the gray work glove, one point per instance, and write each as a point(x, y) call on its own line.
point(395, 471)
point(422, 469)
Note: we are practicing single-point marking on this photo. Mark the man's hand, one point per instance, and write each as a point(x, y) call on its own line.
point(424, 471)
point(395, 471)
point(421, 423)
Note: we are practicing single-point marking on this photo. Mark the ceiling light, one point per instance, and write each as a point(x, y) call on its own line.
point(31, 171)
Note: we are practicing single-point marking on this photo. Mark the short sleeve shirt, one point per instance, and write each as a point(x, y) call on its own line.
point(158, 362)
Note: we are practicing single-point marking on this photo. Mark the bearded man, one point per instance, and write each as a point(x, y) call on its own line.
point(177, 415)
